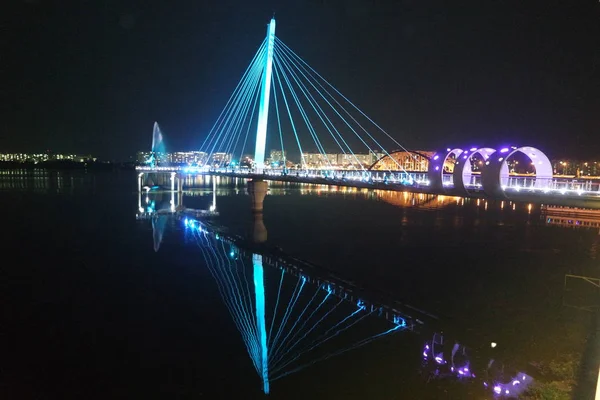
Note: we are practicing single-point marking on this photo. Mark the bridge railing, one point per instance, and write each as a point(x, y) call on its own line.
point(419, 179)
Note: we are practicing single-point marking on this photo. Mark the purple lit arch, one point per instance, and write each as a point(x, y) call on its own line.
point(494, 176)
point(463, 168)
point(435, 171)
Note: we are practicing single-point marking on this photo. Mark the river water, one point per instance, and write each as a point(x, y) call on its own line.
point(100, 304)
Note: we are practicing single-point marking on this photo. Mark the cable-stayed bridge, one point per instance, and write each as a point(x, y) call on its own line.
point(321, 136)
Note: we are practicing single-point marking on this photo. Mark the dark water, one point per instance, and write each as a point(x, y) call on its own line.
point(91, 310)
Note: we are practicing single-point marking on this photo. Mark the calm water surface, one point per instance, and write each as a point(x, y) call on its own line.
point(101, 305)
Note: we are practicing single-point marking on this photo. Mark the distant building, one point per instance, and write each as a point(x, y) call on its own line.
point(176, 158)
point(220, 159)
point(276, 159)
point(42, 157)
point(576, 168)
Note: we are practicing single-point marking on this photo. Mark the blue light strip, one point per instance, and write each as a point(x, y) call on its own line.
point(259, 290)
point(321, 340)
point(318, 109)
point(249, 125)
point(276, 306)
point(279, 122)
point(305, 65)
point(283, 59)
point(334, 109)
point(300, 69)
point(242, 96)
point(271, 359)
point(283, 342)
point(243, 310)
point(233, 310)
point(273, 368)
point(307, 122)
point(286, 48)
point(246, 296)
point(342, 351)
point(290, 308)
point(276, 359)
point(250, 65)
point(263, 110)
point(243, 116)
point(239, 104)
point(303, 112)
point(303, 161)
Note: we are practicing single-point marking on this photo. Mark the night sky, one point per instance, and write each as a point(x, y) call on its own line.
point(93, 76)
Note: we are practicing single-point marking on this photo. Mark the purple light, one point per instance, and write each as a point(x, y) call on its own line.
point(427, 346)
point(497, 389)
point(504, 150)
point(473, 148)
point(437, 168)
point(465, 157)
point(485, 384)
point(516, 383)
point(436, 157)
point(438, 360)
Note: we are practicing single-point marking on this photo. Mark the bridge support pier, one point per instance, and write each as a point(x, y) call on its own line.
point(140, 180)
point(173, 177)
point(257, 189)
point(213, 207)
point(179, 184)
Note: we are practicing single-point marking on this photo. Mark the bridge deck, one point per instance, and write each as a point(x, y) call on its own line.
point(571, 198)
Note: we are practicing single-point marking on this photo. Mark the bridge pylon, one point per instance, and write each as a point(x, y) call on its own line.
point(263, 110)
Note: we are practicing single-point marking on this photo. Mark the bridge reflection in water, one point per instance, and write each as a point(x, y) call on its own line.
point(291, 314)
point(285, 333)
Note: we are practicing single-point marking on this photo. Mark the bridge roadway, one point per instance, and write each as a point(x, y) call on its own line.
point(559, 191)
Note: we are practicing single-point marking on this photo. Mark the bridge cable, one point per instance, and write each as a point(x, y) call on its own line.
point(317, 108)
point(261, 48)
point(285, 350)
point(337, 353)
point(302, 160)
point(240, 106)
point(250, 81)
point(278, 41)
point(303, 114)
point(305, 65)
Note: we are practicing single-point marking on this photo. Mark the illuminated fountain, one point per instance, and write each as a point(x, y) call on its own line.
point(158, 145)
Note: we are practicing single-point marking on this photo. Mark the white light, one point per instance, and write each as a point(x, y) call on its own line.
point(493, 344)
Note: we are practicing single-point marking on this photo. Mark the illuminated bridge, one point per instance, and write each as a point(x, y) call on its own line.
point(308, 115)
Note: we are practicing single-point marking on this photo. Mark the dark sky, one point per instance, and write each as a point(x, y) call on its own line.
point(93, 76)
